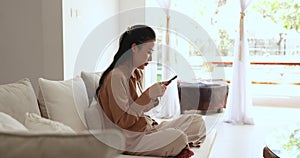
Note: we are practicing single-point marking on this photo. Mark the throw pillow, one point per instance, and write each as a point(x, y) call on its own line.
point(93, 116)
point(65, 101)
point(36, 123)
point(18, 98)
point(9, 124)
point(91, 81)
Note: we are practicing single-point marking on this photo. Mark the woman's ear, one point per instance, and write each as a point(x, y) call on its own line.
point(134, 47)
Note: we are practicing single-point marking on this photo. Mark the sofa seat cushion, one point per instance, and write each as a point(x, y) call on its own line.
point(18, 98)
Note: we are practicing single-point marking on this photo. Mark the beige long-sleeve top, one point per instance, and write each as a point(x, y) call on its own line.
point(122, 105)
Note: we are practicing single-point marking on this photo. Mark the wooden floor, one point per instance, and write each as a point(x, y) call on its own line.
point(248, 141)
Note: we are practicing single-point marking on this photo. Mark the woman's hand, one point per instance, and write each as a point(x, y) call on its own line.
point(166, 83)
point(157, 90)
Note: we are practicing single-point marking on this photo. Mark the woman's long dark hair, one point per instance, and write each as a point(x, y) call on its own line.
point(137, 34)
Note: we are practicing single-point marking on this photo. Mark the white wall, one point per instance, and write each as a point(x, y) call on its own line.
point(34, 41)
point(91, 37)
point(52, 34)
point(25, 50)
point(86, 17)
point(131, 12)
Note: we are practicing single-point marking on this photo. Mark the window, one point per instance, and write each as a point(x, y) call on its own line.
point(274, 51)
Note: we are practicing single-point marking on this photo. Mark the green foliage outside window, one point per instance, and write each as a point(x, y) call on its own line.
point(225, 43)
point(285, 12)
point(294, 142)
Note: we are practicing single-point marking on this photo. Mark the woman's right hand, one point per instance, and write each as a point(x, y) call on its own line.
point(157, 90)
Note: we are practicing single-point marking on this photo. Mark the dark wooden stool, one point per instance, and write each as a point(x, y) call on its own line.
point(203, 96)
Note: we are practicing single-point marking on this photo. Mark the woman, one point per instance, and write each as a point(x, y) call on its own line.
point(124, 108)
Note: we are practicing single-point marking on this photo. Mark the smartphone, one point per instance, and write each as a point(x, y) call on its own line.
point(173, 78)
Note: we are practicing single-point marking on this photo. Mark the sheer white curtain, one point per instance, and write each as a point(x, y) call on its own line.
point(239, 105)
point(169, 106)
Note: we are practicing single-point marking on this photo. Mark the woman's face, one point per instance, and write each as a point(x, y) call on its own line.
point(142, 53)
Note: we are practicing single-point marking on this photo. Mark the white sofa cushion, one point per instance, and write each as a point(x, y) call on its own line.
point(37, 124)
point(93, 116)
point(65, 101)
point(9, 124)
point(91, 81)
point(18, 98)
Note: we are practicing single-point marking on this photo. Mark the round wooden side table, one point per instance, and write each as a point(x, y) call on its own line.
point(283, 143)
point(267, 153)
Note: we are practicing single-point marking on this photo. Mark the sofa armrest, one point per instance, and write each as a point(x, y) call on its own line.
point(91, 145)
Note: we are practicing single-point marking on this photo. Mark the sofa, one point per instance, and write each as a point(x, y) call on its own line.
point(60, 121)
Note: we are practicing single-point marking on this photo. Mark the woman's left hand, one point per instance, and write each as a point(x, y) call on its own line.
point(157, 90)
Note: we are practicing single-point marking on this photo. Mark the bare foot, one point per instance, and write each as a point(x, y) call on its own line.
point(185, 153)
point(198, 143)
point(195, 145)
